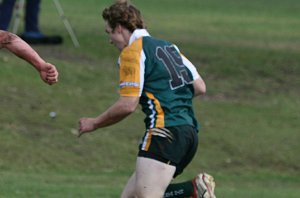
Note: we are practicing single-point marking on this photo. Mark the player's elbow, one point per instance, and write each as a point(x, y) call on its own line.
point(129, 104)
point(199, 87)
point(129, 109)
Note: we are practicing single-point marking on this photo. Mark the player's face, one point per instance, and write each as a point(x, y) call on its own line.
point(115, 36)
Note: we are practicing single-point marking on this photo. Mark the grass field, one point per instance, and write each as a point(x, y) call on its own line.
point(248, 52)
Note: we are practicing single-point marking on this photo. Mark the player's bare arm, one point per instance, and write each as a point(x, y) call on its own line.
point(5, 38)
point(20, 48)
point(117, 112)
point(199, 87)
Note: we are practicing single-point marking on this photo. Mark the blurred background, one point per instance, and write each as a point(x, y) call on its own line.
point(248, 52)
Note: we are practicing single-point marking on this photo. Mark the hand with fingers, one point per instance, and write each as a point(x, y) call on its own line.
point(86, 125)
point(49, 73)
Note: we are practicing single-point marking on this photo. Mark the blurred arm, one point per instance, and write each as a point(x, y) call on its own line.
point(198, 82)
point(199, 86)
point(117, 112)
point(21, 49)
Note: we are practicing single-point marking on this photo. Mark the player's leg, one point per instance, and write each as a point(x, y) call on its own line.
point(180, 190)
point(150, 179)
point(32, 16)
point(187, 138)
point(6, 11)
point(32, 33)
point(129, 190)
point(202, 186)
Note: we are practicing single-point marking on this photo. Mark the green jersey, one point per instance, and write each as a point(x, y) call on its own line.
point(154, 70)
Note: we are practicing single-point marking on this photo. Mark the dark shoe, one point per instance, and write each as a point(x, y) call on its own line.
point(38, 38)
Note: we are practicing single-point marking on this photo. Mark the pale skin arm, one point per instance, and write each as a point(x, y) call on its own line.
point(199, 87)
point(123, 107)
point(198, 83)
point(20, 48)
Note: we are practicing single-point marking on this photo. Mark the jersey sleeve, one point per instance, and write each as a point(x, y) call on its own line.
point(191, 67)
point(131, 70)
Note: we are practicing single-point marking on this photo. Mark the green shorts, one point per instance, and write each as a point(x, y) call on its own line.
point(172, 145)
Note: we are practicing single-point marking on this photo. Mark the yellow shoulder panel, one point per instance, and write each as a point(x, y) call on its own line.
point(130, 60)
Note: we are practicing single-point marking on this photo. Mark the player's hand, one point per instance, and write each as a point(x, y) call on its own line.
point(49, 73)
point(86, 125)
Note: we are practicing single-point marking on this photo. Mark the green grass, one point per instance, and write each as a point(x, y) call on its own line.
point(101, 185)
point(248, 54)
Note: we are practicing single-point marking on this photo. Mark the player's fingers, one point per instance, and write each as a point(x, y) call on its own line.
point(50, 66)
point(51, 81)
point(80, 130)
point(52, 78)
point(51, 71)
point(79, 134)
point(52, 75)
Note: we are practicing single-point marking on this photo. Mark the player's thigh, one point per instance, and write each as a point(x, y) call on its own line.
point(129, 190)
point(152, 177)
